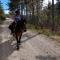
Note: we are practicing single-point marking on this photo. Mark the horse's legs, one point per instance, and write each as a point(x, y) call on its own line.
point(17, 42)
point(20, 38)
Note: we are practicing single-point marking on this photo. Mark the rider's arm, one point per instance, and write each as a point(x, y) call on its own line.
point(14, 19)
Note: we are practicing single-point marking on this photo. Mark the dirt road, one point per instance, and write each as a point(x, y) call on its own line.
point(34, 46)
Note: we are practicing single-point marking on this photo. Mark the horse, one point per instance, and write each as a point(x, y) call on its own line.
point(17, 29)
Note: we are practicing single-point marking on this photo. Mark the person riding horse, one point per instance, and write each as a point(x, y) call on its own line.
point(18, 23)
point(17, 27)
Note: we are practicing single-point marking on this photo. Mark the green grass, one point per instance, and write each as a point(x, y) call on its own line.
point(44, 31)
point(1, 22)
point(56, 38)
point(39, 30)
point(2, 18)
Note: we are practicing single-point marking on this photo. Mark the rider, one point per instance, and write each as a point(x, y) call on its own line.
point(17, 16)
point(18, 20)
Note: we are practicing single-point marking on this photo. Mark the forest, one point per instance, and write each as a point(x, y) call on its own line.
point(39, 17)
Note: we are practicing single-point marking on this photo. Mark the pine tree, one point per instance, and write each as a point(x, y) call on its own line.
point(58, 7)
point(13, 4)
point(1, 9)
point(2, 17)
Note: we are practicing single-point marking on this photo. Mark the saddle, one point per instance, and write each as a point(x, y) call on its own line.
point(18, 27)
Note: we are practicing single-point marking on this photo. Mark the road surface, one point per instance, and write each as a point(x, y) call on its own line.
point(34, 46)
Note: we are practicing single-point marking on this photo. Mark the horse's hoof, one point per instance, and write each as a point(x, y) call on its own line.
point(17, 48)
point(19, 42)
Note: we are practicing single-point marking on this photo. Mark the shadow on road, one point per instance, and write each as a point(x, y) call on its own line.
point(1, 29)
point(29, 37)
point(47, 57)
point(6, 49)
point(0, 34)
point(0, 39)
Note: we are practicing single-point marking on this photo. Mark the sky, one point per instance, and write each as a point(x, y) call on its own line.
point(5, 6)
point(46, 2)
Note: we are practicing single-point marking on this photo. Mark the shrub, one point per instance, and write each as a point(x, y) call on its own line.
point(2, 18)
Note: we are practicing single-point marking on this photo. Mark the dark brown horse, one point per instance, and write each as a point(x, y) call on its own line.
point(17, 29)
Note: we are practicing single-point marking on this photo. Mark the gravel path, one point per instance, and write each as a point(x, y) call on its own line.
point(34, 46)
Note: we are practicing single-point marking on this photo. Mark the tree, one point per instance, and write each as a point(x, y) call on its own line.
point(1, 9)
point(13, 4)
point(2, 17)
point(53, 24)
point(58, 7)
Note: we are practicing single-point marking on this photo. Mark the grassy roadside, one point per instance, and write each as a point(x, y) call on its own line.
point(46, 32)
point(2, 20)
